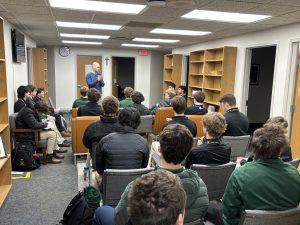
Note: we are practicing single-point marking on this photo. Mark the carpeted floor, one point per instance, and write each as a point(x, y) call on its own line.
point(42, 199)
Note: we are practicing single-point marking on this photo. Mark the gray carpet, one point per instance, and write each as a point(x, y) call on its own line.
point(42, 199)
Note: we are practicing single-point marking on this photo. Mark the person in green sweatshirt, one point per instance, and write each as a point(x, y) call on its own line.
point(127, 102)
point(83, 99)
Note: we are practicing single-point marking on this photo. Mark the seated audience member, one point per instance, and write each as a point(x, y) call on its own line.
point(169, 95)
point(40, 94)
point(172, 86)
point(92, 108)
point(197, 108)
point(267, 183)
point(175, 143)
point(29, 119)
point(212, 151)
point(127, 102)
point(83, 99)
point(162, 200)
point(138, 98)
point(123, 149)
point(179, 106)
point(23, 94)
point(182, 91)
point(32, 93)
point(106, 125)
point(237, 122)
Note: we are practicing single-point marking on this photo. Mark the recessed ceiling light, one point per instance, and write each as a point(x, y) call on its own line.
point(142, 46)
point(180, 32)
point(82, 42)
point(224, 16)
point(155, 40)
point(88, 25)
point(88, 36)
point(98, 6)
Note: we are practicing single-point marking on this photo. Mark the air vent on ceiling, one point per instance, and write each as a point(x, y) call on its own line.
point(121, 38)
point(143, 24)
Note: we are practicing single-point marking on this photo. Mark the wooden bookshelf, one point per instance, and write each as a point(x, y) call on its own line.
point(40, 69)
point(172, 70)
point(5, 163)
point(215, 76)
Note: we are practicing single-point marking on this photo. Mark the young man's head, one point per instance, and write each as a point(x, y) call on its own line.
point(93, 95)
point(176, 142)
point(268, 142)
point(110, 105)
point(181, 90)
point(41, 107)
point(137, 97)
point(172, 86)
point(40, 92)
point(179, 104)
point(214, 125)
point(277, 120)
point(157, 198)
point(128, 92)
point(23, 92)
point(32, 90)
point(129, 117)
point(227, 102)
point(83, 91)
point(96, 67)
point(199, 97)
point(170, 94)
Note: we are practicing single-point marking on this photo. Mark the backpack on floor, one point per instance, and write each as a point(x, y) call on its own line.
point(22, 157)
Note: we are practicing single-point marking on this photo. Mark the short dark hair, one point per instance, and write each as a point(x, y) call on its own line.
point(83, 91)
point(228, 98)
point(128, 92)
point(156, 198)
point(215, 124)
point(129, 117)
point(199, 96)
point(179, 104)
point(41, 107)
point(176, 142)
point(182, 87)
point(39, 90)
point(31, 88)
point(268, 142)
point(173, 85)
point(110, 105)
point(93, 95)
point(22, 90)
point(137, 97)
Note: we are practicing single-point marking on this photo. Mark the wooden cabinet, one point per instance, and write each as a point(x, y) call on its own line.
point(40, 69)
point(213, 72)
point(5, 163)
point(172, 70)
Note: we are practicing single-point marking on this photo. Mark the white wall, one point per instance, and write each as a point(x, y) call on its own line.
point(16, 73)
point(282, 37)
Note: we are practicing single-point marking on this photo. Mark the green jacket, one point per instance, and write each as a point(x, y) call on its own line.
point(197, 198)
point(79, 102)
point(260, 185)
point(127, 102)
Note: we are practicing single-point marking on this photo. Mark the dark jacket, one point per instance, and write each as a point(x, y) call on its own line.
point(162, 103)
point(36, 99)
point(237, 123)
point(99, 129)
point(143, 110)
point(19, 104)
point(122, 150)
point(211, 152)
point(28, 119)
point(30, 102)
point(90, 109)
point(184, 121)
point(195, 110)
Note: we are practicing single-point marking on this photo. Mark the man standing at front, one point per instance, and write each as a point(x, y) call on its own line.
point(94, 79)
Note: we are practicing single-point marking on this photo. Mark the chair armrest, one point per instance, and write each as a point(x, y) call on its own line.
point(35, 131)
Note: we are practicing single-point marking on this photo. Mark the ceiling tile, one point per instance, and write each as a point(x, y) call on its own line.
point(287, 2)
point(231, 6)
point(273, 10)
point(165, 12)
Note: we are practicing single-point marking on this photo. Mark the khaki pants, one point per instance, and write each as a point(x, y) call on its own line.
point(154, 149)
point(50, 137)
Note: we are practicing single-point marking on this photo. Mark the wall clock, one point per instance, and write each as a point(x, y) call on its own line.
point(64, 51)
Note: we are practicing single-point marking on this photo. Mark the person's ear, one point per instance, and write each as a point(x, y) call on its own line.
point(180, 219)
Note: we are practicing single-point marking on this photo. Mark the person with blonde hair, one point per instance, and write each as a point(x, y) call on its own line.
point(169, 95)
point(83, 99)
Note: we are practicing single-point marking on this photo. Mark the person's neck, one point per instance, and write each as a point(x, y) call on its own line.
point(198, 103)
point(181, 114)
point(232, 107)
point(169, 166)
point(208, 136)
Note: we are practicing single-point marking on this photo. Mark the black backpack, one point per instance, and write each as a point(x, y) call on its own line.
point(22, 157)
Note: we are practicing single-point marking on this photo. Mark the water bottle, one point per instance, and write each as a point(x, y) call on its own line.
point(85, 172)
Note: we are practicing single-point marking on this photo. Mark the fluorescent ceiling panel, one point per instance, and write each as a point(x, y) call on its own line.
point(99, 6)
point(155, 40)
point(179, 32)
point(88, 25)
point(87, 36)
point(81, 42)
point(224, 16)
point(142, 46)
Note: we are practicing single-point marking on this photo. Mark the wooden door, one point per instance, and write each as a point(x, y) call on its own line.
point(114, 77)
point(84, 65)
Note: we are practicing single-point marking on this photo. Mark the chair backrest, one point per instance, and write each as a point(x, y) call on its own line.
point(295, 162)
point(115, 182)
point(51, 104)
point(238, 144)
point(160, 118)
point(257, 217)
point(146, 125)
point(198, 119)
point(74, 112)
point(215, 178)
point(12, 120)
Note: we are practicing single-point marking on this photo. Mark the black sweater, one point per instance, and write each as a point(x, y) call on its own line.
point(237, 123)
point(184, 121)
point(90, 109)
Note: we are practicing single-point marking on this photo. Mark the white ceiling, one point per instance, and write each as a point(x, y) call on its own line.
point(37, 19)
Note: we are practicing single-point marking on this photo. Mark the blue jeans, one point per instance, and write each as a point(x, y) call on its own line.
point(104, 215)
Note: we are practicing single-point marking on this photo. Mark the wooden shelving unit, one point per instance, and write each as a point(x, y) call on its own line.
point(5, 163)
point(214, 74)
point(40, 69)
point(172, 70)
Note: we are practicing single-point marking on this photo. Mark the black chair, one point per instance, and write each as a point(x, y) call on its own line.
point(239, 145)
point(295, 162)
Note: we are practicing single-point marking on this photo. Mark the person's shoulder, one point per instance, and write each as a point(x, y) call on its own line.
point(190, 177)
